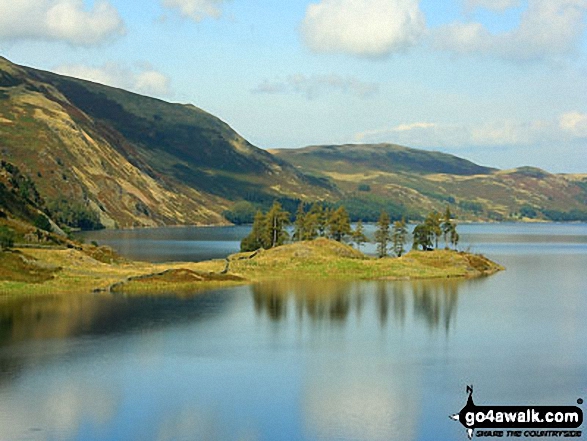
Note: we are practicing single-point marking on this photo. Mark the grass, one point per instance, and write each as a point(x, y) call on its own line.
point(69, 271)
point(326, 259)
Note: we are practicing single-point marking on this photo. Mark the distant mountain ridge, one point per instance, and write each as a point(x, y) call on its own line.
point(420, 181)
point(381, 157)
point(140, 161)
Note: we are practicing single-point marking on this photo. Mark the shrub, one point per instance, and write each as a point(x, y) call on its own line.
point(42, 222)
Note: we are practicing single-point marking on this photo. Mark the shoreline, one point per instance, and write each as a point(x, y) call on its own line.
point(92, 269)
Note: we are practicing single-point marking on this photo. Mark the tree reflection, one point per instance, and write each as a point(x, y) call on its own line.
point(432, 301)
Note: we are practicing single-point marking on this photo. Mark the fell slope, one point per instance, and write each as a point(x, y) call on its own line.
point(420, 181)
point(135, 160)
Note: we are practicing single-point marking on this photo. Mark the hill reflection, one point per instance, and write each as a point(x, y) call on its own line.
point(433, 302)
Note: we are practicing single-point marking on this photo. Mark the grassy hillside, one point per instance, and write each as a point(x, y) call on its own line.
point(134, 160)
point(419, 181)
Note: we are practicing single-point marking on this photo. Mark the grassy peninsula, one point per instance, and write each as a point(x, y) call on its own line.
point(32, 271)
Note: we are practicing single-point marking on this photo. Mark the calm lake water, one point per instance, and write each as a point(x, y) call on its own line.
point(299, 360)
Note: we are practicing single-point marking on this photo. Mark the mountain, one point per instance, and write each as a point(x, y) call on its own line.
point(418, 181)
point(134, 160)
point(98, 155)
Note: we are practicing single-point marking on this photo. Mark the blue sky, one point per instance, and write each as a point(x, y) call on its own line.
point(501, 82)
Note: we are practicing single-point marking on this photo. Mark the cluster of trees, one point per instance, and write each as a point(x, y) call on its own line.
point(269, 229)
point(74, 214)
point(387, 235)
point(428, 233)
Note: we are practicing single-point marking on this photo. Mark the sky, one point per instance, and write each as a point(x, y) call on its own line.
point(500, 82)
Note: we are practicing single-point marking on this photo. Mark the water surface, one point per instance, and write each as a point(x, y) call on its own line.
point(299, 360)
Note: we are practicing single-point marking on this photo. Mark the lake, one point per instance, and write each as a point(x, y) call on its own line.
point(295, 360)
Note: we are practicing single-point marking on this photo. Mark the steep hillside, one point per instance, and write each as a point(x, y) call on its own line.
point(94, 151)
point(134, 160)
point(419, 181)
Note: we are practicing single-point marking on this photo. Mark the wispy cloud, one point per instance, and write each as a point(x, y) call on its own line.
point(365, 28)
point(61, 20)
point(196, 10)
point(574, 123)
point(141, 78)
point(569, 127)
point(548, 28)
point(315, 86)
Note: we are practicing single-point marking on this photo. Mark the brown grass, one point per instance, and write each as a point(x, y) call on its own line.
point(53, 271)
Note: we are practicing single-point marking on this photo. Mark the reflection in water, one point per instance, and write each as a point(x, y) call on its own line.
point(434, 301)
point(58, 318)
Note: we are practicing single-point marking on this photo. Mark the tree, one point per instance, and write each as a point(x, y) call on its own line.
point(6, 237)
point(433, 222)
point(454, 237)
point(300, 224)
point(310, 230)
point(422, 237)
point(447, 225)
point(449, 230)
point(339, 224)
point(382, 235)
point(257, 238)
point(275, 222)
point(358, 235)
point(398, 236)
point(322, 215)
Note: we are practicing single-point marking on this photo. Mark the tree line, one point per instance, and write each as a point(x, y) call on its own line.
point(318, 220)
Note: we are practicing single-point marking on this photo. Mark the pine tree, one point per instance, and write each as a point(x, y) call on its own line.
point(447, 225)
point(382, 235)
point(398, 236)
point(257, 238)
point(454, 237)
point(310, 229)
point(358, 235)
point(339, 224)
point(422, 237)
point(433, 222)
point(300, 224)
point(275, 222)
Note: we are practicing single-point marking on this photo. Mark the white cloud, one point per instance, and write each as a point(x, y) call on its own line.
point(366, 28)
point(197, 10)
point(141, 79)
point(547, 28)
point(574, 123)
point(568, 127)
point(493, 5)
point(317, 85)
point(62, 20)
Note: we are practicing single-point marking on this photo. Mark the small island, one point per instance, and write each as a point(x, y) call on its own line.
point(47, 263)
point(36, 271)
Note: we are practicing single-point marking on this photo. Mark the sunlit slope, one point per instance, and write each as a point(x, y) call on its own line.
point(135, 160)
point(422, 180)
